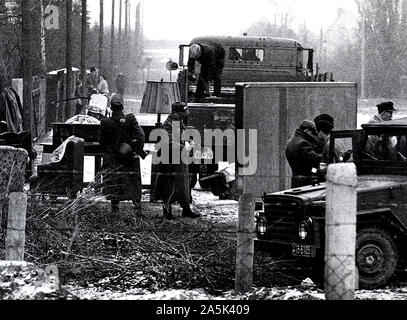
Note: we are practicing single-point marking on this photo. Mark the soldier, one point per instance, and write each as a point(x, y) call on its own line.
point(385, 112)
point(303, 154)
point(382, 147)
point(121, 137)
point(211, 56)
point(172, 182)
point(121, 84)
point(324, 124)
point(92, 81)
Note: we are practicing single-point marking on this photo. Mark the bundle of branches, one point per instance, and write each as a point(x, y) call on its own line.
point(91, 245)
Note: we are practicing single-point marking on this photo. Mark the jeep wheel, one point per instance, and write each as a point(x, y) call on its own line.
point(376, 258)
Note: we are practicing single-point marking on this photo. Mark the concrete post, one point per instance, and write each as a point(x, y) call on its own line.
point(340, 231)
point(245, 244)
point(15, 239)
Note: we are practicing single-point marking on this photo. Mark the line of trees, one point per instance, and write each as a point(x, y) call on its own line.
point(29, 50)
point(379, 24)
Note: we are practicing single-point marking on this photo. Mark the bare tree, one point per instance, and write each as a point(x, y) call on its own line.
point(126, 21)
point(68, 111)
point(83, 45)
point(112, 41)
point(386, 44)
point(101, 33)
point(26, 7)
point(43, 44)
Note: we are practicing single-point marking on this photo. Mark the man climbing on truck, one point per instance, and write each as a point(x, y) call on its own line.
point(211, 56)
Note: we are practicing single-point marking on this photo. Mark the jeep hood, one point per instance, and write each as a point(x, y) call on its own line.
point(365, 183)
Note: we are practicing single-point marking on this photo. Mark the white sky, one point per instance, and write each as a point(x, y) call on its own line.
point(186, 19)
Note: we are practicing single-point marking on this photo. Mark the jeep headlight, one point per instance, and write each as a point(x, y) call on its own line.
point(261, 225)
point(304, 228)
point(302, 231)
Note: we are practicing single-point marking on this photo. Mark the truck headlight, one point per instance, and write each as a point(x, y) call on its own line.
point(302, 231)
point(304, 228)
point(262, 226)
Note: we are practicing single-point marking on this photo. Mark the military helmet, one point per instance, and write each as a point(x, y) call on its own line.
point(116, 102)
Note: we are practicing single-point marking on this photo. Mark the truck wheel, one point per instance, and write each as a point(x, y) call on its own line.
point(376, 258)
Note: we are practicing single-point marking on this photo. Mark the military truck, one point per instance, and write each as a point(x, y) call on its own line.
point(247, 59)
point(293, 221)
point(254, 59)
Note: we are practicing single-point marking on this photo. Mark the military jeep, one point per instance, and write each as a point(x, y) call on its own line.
point(293, 221)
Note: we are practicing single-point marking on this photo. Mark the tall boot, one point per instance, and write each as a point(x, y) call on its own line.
point(167, 211)
point(115, 206)
point(137, 210)
point(188, 213)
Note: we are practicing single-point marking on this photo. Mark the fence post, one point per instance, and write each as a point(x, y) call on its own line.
point(340, 231)
point(245, 244)
point(15, 239)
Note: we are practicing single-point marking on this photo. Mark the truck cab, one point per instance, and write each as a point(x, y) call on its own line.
point(294, 220)
point(253, 59)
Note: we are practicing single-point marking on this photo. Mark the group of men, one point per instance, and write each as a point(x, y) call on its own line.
point(122, 141)
point(308, 150)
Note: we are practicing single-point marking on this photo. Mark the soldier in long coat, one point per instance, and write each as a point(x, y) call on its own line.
point(172, 179)
point(302, 154)
point(122, 139)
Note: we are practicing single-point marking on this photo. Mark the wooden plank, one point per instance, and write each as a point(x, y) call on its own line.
point(245, 244)
point(15, 239)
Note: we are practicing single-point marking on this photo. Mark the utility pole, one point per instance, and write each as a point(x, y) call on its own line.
point(112, 41)
point(26, 6)
point(101, 31)
point(68, 81)
point(83, 45)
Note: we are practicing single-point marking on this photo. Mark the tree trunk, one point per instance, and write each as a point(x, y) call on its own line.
point(126, 21)
point(68, 111)
point(43, 44)
point(83, 45)
point(120, 51)
point(112, 44)
point(101, 31)
point(26, 6)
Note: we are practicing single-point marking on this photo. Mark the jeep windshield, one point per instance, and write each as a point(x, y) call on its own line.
point(380, 148)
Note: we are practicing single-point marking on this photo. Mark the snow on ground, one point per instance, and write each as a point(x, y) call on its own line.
point(289, 293)
point(227, 210)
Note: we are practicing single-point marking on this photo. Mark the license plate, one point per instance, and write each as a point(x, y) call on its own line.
point(205, 154)
point(303, 250)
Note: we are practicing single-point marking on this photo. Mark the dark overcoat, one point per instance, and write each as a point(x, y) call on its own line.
point(172, 180)
point(122, 177)
point(212, 60)
point(301, 153)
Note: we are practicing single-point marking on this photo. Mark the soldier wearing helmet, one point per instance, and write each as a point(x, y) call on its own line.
point(122, 140)
point(211, 56)
point(172, 180)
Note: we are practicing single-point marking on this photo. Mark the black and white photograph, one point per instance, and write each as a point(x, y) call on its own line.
point(203, 156)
